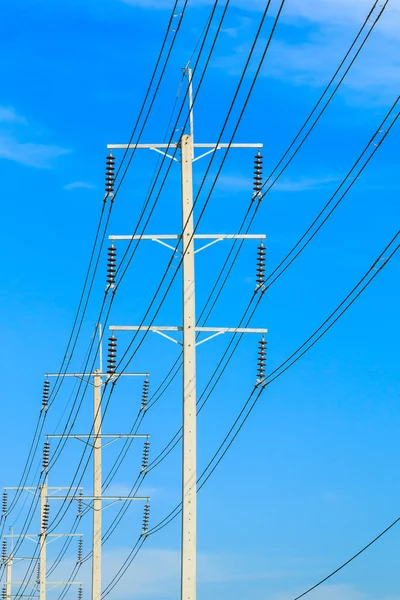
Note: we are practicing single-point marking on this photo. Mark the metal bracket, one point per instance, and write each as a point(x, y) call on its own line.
point(165, 154)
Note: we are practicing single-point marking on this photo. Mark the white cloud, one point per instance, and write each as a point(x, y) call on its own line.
point(14, 147)
point(327, 592)
point(301, 185)
point(156, 572)
point(240, 183)
point(331, 12)
point(29, 154)
point(8, 114)
point(79, 185)
point(311, 56)
point(341, 12)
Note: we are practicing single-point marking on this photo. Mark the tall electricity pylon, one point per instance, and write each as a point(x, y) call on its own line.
point(189, 329)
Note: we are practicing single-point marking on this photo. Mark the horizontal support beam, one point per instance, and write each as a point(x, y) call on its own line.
point(99, 374)
point(105, 498)
point(177, 145)
point(52, 487)
point(197, 236)
point(101, 435)
point(47, 583)
point(30, 535)
point(199, 329)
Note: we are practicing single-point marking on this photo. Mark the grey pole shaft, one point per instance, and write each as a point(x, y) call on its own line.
point(97, 489)
point(43, 542)
point(9, 577)
point(188, 571)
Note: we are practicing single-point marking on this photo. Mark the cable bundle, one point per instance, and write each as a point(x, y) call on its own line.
point(258, 169)
point(262, 359)
point(46, 389)
point(112, 354)
point(146, 518)
point(145, 395)
point(145, 459)
point(110, 162)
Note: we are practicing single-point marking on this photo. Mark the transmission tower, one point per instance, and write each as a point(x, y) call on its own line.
point(97, 441)
point(189, 329)
point(42, 539)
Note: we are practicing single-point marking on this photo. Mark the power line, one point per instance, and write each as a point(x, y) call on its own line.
point(342, 566)
point(155, 462)
point(143, 105)
point(257, 205)
point(353, 295)
point(87, 462)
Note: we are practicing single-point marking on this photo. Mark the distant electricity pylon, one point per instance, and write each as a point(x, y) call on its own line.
point(97, 379)
point(45, 494)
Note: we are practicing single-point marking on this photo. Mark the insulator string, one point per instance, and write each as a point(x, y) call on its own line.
point(111, 266)
point(46, 455)
point(146, 518)
point(262, 360)
point(46, 390)
point(110, 177)
point(145, 459)
point(112, 354)
point(4, 503)
point(260, 272)
point(257, 181)
point(145, 394)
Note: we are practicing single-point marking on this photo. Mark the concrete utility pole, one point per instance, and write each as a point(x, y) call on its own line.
point(97, 488)
point(43, 540)
point(189, 377)
point(97, 380)
point(188, 328)
point(9, 566)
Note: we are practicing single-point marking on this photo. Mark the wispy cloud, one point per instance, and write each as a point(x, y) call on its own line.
point(13, 144)
point(156, 572)
point(308, 51)
point(302, 185)
point(79, 185)
point(29, 154)
point(329, 592)
point(8, 114)
point(240, 183)
point(331, 12)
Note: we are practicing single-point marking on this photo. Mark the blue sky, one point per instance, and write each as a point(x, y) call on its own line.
point(313, 474)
